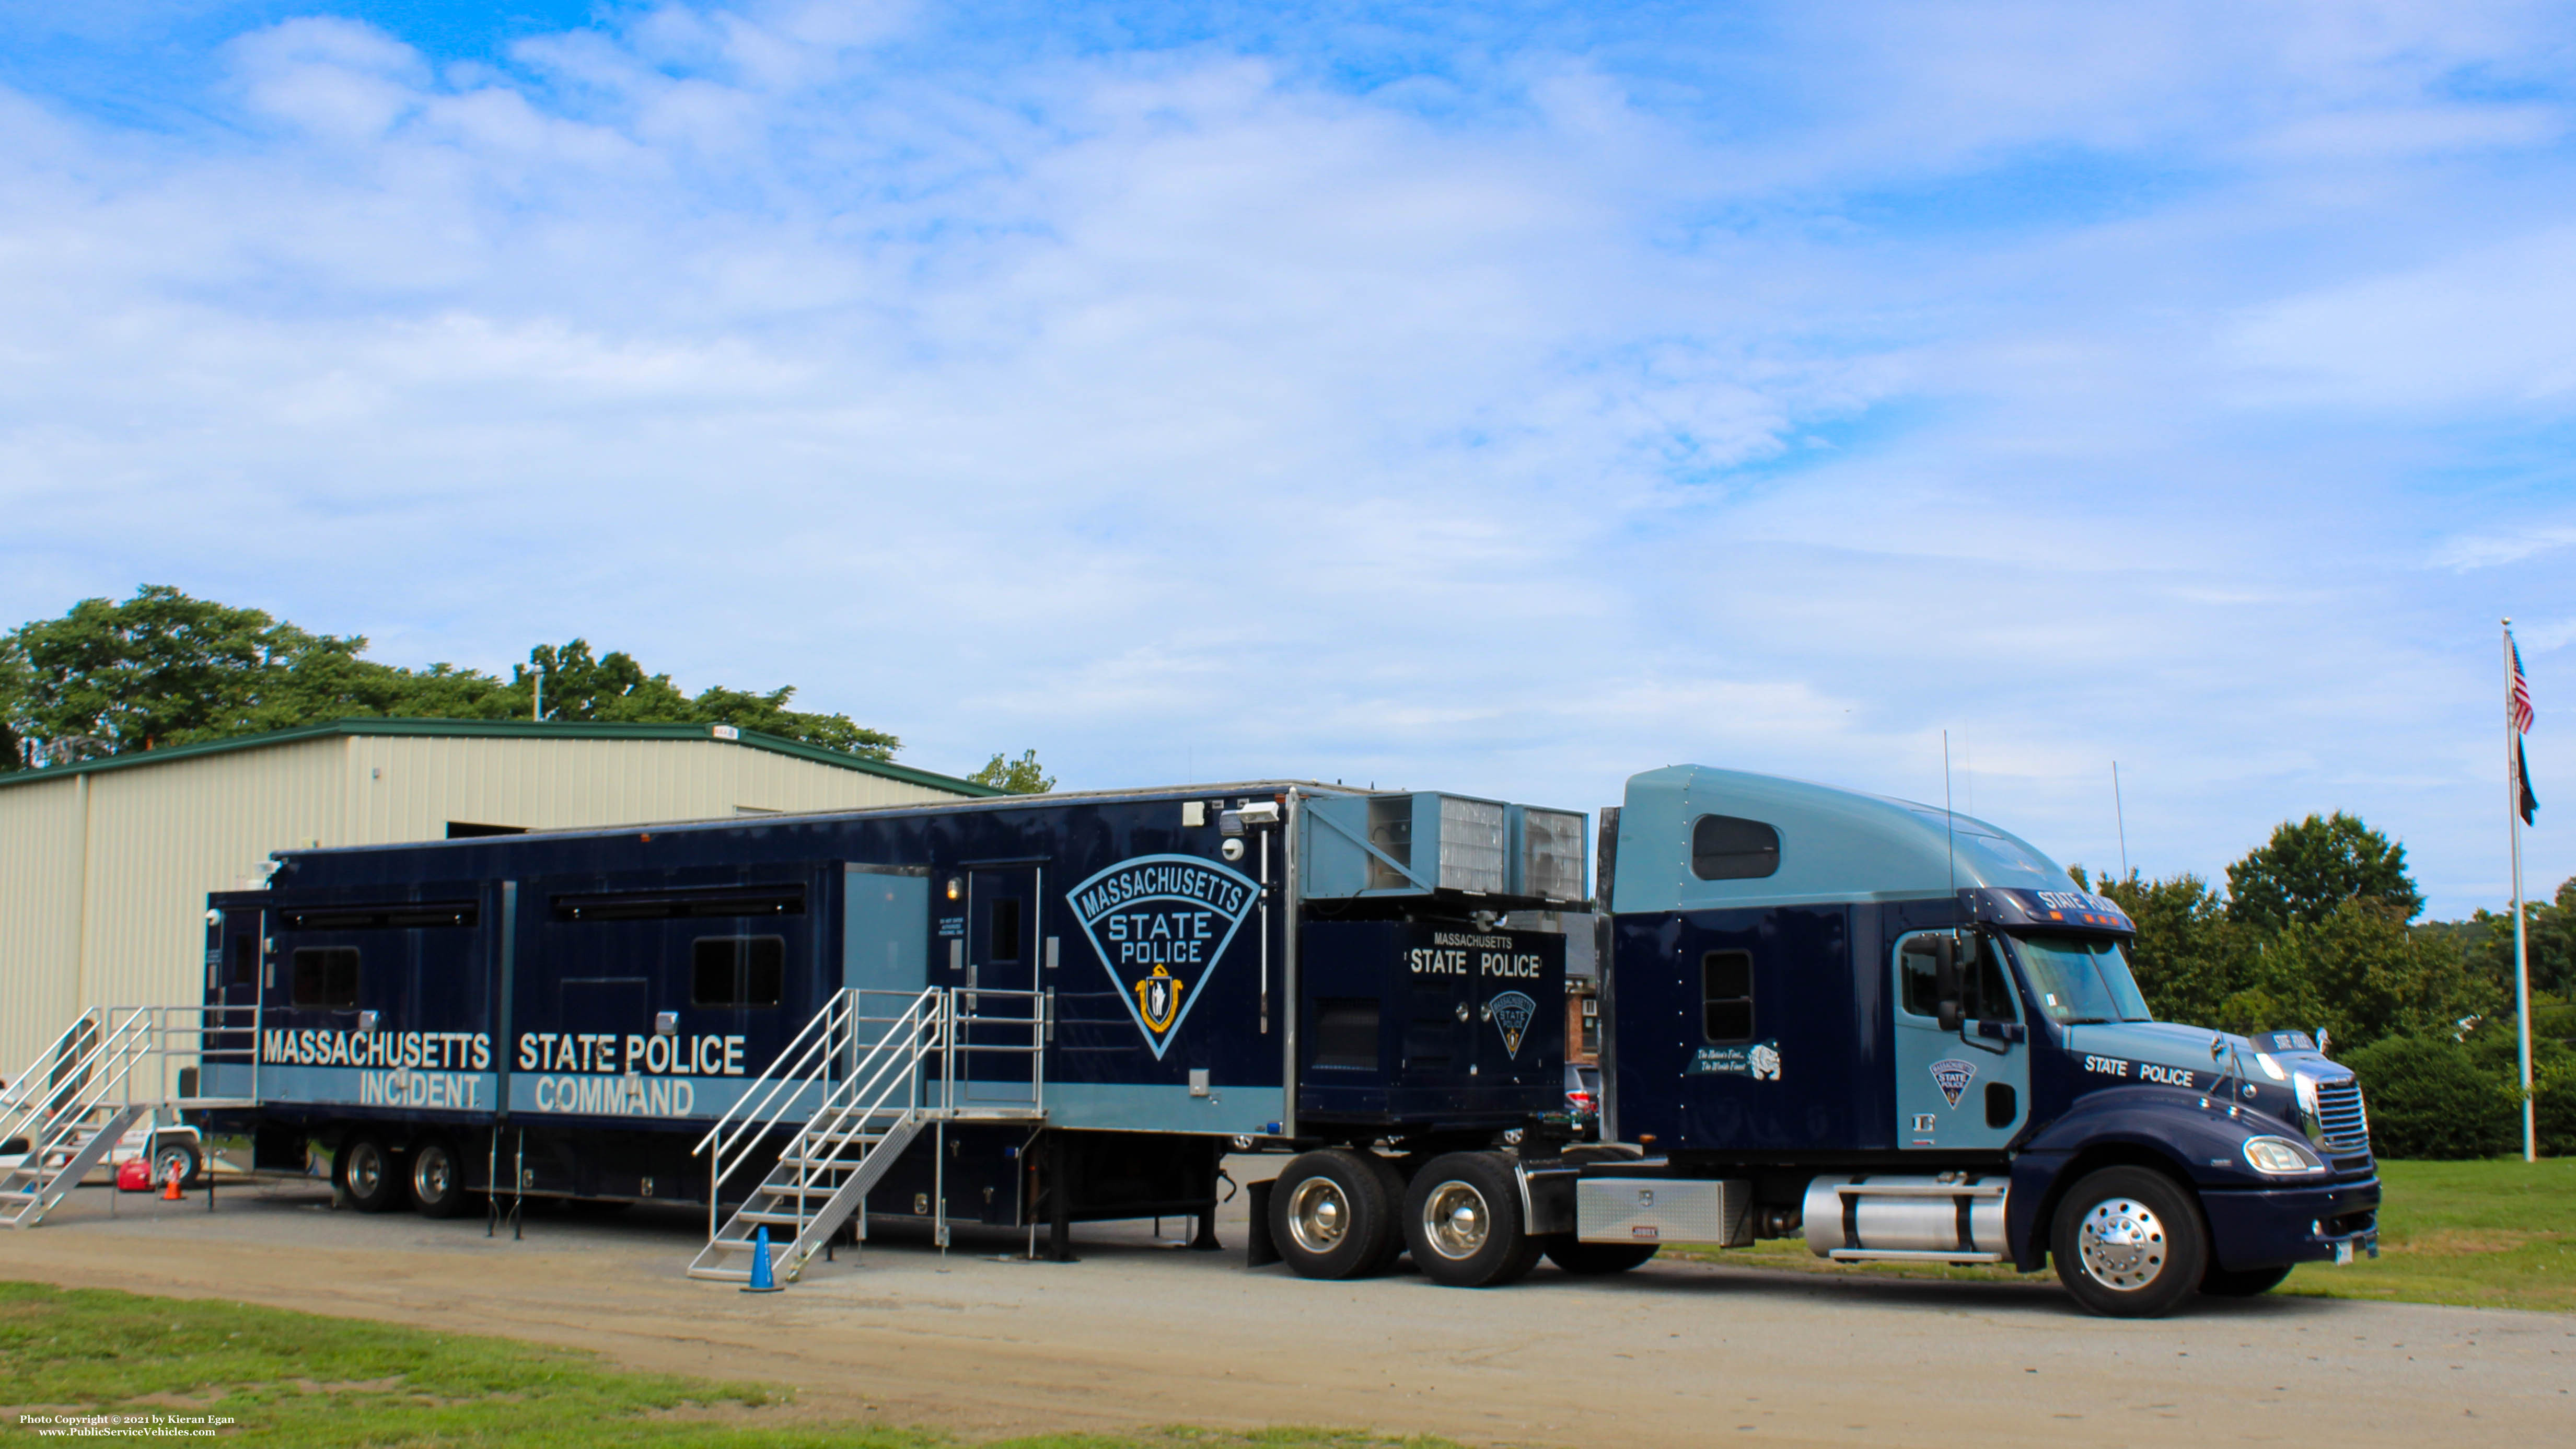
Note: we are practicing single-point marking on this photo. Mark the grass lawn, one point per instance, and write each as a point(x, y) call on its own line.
point(2494, 1234)
point(297, 1378)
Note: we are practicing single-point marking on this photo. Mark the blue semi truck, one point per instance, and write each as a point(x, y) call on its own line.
point(1896, 1032)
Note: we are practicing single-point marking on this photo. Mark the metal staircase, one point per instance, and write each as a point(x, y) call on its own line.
point(865, 1086)
point(109, 1069)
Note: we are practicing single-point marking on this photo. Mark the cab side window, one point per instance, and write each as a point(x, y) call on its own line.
point(1726, 996)
point(1985, 991)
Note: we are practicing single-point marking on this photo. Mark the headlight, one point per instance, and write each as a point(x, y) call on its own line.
point(2280, 1157)
point(2270, 1067)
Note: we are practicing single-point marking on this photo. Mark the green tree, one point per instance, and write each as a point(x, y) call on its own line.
point(2190, 956)
point(2549, 941)
point(1018, 777)
point(2311, 867)
point(2360, 973)
point(2431, 1097)
point(162, 668)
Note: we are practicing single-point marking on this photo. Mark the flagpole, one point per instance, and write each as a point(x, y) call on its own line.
point(2521, 960)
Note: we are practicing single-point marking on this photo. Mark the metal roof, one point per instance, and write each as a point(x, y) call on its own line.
point(503, 729)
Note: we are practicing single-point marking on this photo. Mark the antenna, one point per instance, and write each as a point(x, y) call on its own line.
point(2121, 813)
point(1948, 818)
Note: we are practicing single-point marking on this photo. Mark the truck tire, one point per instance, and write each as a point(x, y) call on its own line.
point(2250, 1283)
point(437, 1179)
point(178, 1152)
point(2129, 1243)
point(1592, 1259)
point(1462, 1219)
point(1332, 1216)
point(367, 1173)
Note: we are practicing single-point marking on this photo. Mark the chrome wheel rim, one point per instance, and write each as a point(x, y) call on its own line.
point(366, 1169)
point(431, 1175)
point(1319, 1215)
point(1455, 1220)
point(170, 1160)
point(2121, 1243)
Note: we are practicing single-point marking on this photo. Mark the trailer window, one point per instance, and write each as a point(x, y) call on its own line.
point(1726, 995)
point(245, 961)
point(1726, 848)
point(324, 976)
point(737, 970)
point(1346, 1031)
point(1004, 937)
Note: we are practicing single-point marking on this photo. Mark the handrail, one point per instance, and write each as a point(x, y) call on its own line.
point(98, 1060)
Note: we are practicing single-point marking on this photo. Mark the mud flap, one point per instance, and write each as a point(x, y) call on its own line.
point(1258, 1250)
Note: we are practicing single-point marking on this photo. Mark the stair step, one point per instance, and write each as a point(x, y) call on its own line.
point(784, 1219)
point(722, 1275)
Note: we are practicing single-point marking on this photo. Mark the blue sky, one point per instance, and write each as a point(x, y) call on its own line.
point(1503, 400)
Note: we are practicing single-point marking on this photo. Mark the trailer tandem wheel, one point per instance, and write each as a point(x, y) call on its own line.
point(1332, 1214)
point(368, 1173)
point(437, 1183)
point(1462, 1218)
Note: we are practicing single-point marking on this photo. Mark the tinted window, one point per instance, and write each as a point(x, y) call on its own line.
point(1005, 935)
point(737, 970)
point(1726, 848)
point(325, 976)
point(1985, 993)
point(245, 961)
point(1726, 996)
point(1346, 1031)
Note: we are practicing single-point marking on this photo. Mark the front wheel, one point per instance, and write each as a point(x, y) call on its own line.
point(2129, 1243)
point(1462, 1219)
point(2251, 1283)
point(1592, 1259)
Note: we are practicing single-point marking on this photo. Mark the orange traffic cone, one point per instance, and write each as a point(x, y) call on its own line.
point(172, 1192)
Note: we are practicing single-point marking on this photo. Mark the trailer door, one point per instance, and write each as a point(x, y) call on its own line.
point(885, 943)
point(1001, 1002)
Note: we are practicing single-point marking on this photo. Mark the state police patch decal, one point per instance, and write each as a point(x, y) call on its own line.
point(1952, 1076)
point(1159, 925)
point(1512, 1012)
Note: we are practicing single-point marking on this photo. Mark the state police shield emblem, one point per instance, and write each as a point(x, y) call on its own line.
point(1512, 1012)
point(1952, 1076)
point(1160, 925)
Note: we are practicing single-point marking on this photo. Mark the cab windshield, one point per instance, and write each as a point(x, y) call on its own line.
point(2080, 980)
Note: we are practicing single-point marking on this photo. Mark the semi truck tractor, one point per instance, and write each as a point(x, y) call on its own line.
point(1895, 1032)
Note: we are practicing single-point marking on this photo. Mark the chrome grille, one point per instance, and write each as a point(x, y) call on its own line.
point(2340, 1113)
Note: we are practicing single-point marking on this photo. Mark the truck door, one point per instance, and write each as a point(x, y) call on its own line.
point(234, 933)
point(1001, 979)
point(1962, 1089)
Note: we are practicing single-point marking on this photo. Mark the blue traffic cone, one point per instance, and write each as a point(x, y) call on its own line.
point(762, 1280)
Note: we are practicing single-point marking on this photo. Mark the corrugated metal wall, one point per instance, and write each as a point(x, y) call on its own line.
point(112, 913)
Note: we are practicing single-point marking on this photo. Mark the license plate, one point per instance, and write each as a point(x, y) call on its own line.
point(2343, 1251)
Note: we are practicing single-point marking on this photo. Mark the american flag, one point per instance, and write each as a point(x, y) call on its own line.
point(2518, 704)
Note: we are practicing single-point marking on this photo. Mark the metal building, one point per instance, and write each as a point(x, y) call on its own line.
point(105, 866)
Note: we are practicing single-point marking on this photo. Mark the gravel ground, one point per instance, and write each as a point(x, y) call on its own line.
point(982, 1342)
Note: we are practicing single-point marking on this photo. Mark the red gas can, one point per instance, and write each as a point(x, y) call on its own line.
point(134, 1176)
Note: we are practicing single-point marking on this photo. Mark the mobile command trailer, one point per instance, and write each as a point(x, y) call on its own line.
point(1896, 1032)
point(1015, 1011)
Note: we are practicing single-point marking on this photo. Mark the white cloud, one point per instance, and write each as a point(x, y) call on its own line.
point(1181, 410)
